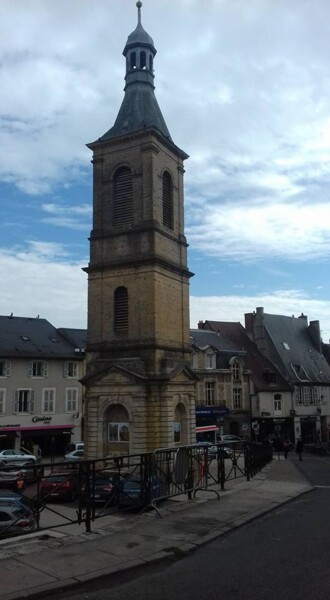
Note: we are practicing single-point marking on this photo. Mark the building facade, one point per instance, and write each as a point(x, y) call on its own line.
point(223, 386)
point(40, 391)
point(294, 346)
point(269, 393)
point(139, 385)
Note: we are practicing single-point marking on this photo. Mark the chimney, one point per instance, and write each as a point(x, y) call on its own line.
point(315, 333)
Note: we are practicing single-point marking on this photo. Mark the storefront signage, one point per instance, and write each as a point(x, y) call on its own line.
point(209, 412)
point(41, 419)
point(10, 425)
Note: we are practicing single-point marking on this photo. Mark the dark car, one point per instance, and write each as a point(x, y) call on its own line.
point(139, 493)
point(60, 486)
point(16, 521)
point(104, 488)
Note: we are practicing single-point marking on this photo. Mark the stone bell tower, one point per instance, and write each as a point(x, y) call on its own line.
point(140, 391)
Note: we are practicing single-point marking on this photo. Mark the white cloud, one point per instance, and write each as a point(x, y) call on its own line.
point(36, 283)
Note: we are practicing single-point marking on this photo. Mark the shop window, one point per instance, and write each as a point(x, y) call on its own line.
point(118, 432)
point(48, 400)
point(210, 393)
point(2, 401)
point(167, 200)
point(121, 310)
point(37, 368)
point(71, 369)
point(237, 398)
point(123, 197)
point(5, 368)
point(177, 432)
point(24, 401)
point(71, 400)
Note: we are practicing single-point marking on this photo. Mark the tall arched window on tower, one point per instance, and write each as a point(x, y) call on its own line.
point(143, 59)
point(123, 197)
point(121, 310)
point(167, 200)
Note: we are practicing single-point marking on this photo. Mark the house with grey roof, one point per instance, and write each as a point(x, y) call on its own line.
point(294, 346)
point(270, 393)
point(40, 389)
point(223, 386)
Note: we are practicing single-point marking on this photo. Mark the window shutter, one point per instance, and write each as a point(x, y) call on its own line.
point(121, 310)
point(45, 369)
point(66, 369)
point(123, 197)
point(167, 201)
point(31, 402)
point(7, 368)
point(15, 403)
point(30, 369)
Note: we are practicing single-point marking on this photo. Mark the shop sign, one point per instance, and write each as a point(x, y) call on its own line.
point(265, 414)
point(282, 420)
point(9, 425)
point(42, 419)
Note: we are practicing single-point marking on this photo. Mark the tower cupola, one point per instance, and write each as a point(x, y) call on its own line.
point(139, 110)
point(139, 52)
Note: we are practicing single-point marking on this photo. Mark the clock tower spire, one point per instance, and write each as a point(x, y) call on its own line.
point(139, 386)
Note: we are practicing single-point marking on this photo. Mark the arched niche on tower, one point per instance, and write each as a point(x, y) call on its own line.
point(116, 430)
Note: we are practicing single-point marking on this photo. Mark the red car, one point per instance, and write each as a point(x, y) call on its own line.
point(59, 486)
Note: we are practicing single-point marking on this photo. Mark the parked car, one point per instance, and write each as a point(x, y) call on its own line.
point(229, 438)
point(10, 498)
point(17, 456)
point(60, 486)
point(11, 473)
point(74, 456)
point(133, 493)
point(72, 446)
point(103, 489)
point(225, 451)
point(16, 521)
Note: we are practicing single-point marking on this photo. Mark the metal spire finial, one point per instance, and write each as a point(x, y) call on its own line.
point(139, 4)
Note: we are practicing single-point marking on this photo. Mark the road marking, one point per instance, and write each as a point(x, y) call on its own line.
point(324, 487)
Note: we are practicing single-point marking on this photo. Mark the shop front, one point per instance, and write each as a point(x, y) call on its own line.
point(273, 429)
point(215, 417)
point(49, 433)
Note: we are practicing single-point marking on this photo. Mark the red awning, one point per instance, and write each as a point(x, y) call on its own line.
point(207, 428)
point(37, 427)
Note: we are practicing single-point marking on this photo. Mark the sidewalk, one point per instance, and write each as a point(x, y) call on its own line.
point(47, 561)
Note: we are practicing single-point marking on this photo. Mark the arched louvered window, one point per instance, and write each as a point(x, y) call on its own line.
point(143, 59)
point(121, 310)
point(133, 60)
point(167, 200)
point(123, 197)
point(150, 63)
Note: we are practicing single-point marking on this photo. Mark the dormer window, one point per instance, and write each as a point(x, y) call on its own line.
point(210, 360)
point(299, 372)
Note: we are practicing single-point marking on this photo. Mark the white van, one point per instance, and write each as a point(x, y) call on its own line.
point(72, 446)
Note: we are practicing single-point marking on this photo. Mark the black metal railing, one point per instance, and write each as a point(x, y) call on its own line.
point(96, 488)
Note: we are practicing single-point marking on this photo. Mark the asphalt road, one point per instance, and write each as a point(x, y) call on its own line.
point(285, 554)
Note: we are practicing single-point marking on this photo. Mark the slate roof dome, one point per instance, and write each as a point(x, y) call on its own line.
point(138, 36)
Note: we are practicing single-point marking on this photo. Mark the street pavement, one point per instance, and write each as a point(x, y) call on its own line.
point(52, 560)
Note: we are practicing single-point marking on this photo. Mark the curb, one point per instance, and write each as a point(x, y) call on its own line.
point(171, 554)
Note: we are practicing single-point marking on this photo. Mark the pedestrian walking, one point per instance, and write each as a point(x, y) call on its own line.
point(20, 483)
point(299, 447)
point(286, 448)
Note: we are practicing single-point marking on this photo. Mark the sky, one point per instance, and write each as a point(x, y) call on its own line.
point(244, 87)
